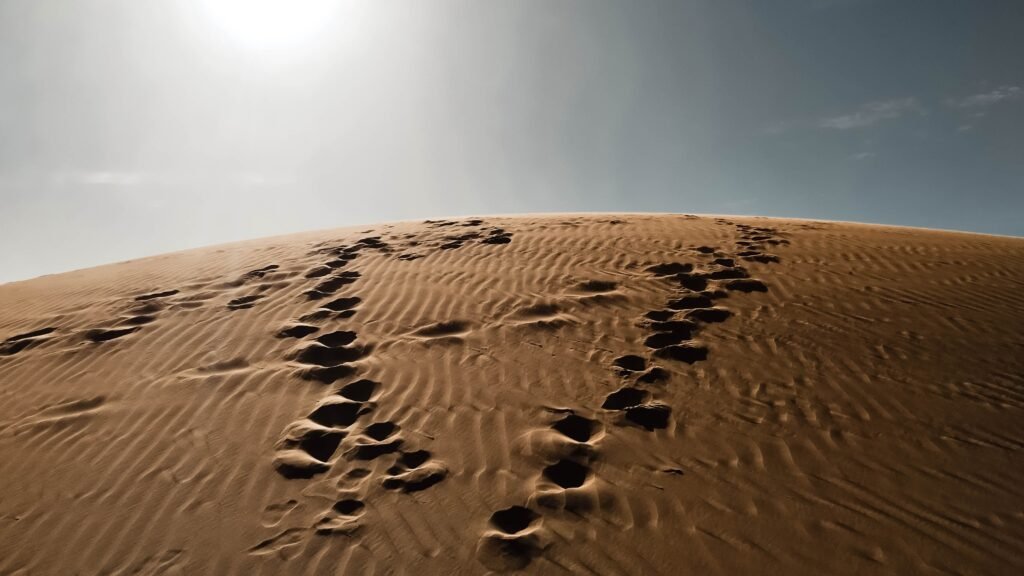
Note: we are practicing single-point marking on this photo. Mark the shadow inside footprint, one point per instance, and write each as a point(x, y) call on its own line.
point(631, 362)
point(103, 335)
point(244, 302)
point(746, 285)
point(348, 507)
point(337, 412)
point(576, 427)
point(336, 339)
point(514, 519)
point(296, 331)
point(360, 390)
point(567, 474)
point(624, 398)
point(380, 431)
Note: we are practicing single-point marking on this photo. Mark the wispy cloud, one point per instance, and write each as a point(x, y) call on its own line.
point(872, 113)
point(989, 98)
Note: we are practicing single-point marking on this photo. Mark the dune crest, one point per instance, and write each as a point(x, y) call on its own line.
point(609, 394)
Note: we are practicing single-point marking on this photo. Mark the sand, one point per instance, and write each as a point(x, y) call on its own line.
point(598, 394)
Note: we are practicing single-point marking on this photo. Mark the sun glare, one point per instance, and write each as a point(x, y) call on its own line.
point(270, 24)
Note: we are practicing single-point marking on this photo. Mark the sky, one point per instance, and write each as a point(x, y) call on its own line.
point(132, 128)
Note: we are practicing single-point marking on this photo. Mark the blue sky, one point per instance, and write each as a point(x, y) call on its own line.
point(134, 128)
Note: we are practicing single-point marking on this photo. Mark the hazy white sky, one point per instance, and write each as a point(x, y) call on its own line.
point(130, 128)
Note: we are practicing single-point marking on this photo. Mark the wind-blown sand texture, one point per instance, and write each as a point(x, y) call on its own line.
point(598, 394)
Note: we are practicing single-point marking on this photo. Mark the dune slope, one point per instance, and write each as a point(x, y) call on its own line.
point(635, 394)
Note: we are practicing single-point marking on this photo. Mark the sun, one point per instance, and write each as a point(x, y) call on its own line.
point(270, 24)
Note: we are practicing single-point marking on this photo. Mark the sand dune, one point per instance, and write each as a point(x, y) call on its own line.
point(603, 394)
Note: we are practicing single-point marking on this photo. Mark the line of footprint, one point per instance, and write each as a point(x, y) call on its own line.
point(514, 537)
point(308, 446)
point(753, 241)
point(143, 309)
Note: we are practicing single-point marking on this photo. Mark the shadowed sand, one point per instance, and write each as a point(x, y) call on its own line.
point(606, 394)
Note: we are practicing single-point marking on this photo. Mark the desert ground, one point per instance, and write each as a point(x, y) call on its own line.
point(594, 394)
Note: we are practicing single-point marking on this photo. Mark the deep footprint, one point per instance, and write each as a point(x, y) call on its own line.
point(514, 519)
point(567, 474)
point(576, 427)
point(624, 398)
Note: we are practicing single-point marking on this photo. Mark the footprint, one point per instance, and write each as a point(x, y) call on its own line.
point(331, 285)
point(372, 242)
point(359, 391)
point(335, 411)
point(692, 281)
point(663, 339)
point(567, 474)
point(104, 334)
point(685, 352)
point(275, 513)
point(746, 285)
point(709, 315)
point(342, 304)
point(660, 315)
point(348, 507)
point(382, 440)
point(320, 355)
point(596, 286)
point(624, 398)
point(726, 273)
point(381, 430)
point(670, 268)
point(319, 442)
point(649, 416)
point(497, 236)
point(669, 333)
point(337, 339)
point(296, 464)
point(576, 427)
point(342, 519)
point(327, 374)
point(32, 334)
point(260, 272)
point(414, 459)
point(296, 331)
point(545, 315)
point(244, 302)
point(139, 320)
point(420, 478)
point(339, 262)
point(630, 363)
point(155, 295)
point(409, 461)
point(514, 520)
point(443, 329)
point(319, 272)
point(513, 542)
point(20, 342)
point(654, 375)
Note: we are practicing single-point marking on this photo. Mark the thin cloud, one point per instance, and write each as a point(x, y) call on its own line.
point(983, 99)
point(872, 113)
